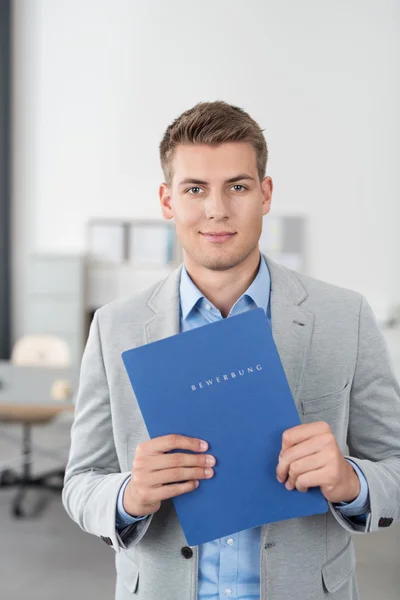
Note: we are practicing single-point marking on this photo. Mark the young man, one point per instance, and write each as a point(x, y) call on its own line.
point(119, 484)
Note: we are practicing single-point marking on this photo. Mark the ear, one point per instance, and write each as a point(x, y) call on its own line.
point(165, 201)
point(266, 187)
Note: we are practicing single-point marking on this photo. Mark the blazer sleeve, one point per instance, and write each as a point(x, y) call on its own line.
point(374, 425)
point(93, 477)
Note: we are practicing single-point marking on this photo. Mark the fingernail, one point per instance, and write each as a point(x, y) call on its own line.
point(279, 479)
point(203, 445)
point(288, 485)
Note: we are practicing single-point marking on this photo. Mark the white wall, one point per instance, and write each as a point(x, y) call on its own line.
point(97, 82)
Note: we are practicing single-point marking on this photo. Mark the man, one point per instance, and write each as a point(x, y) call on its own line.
point(119, 484)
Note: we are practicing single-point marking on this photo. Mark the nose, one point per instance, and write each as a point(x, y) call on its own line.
point(217, 207)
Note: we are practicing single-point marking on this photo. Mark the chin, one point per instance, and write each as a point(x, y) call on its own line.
point(222, 263)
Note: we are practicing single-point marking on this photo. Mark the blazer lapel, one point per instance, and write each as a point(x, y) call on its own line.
point(292, 326)
point(166, 308)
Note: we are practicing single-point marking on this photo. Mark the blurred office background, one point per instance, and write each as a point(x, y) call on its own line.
point(87, 89)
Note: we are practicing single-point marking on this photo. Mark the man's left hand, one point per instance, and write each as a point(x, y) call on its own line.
point(310, 457)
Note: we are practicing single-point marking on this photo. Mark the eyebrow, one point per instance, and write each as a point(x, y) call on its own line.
point(241, 177)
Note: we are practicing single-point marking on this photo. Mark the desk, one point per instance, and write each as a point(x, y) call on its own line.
point(27, 386)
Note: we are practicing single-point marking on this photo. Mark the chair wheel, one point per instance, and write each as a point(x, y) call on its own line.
point(17, 511)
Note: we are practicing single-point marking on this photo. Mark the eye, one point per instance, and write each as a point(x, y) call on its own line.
point(195, 190)
point(239, 185)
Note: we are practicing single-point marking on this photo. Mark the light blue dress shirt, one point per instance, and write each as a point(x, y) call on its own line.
point(230, 567)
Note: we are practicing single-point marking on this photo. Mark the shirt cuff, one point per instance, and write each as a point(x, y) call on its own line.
point(361, 505)
point(122, 518)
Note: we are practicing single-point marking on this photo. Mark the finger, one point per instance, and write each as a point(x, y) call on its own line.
point(169, 442)
point(290, 455)
point(303, 432)
point(307, 448)
point(165, 492)
point(317, 478)
point(305, 465)
point(176, 475)
point(168, 461)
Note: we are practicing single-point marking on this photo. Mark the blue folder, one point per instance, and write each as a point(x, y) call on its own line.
point(224, 383)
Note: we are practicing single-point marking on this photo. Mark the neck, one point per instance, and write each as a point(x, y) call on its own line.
point(224, 288)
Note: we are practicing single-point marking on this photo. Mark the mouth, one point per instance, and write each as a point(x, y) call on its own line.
point(217, 237)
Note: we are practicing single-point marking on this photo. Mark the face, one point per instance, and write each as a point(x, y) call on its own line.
point(217, 202)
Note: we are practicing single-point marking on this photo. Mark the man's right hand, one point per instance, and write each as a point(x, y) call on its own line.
point(154, 473)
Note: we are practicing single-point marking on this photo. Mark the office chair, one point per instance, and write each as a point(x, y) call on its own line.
point(38, 350)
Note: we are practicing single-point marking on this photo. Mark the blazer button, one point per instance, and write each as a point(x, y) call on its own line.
point(107, 540)
point(385, 522)
point(187, 552)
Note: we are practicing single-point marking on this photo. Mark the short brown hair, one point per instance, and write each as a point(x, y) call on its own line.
point(213, 123)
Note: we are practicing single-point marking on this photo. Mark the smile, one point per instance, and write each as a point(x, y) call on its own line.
point(219, 237)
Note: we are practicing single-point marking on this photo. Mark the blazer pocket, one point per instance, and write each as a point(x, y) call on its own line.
point(324, 403)
point(128, 571)
point(338, 569)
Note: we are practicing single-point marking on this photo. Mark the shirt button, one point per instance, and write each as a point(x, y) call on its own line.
point(231, 541)
point(208, 307)
point(228, 591)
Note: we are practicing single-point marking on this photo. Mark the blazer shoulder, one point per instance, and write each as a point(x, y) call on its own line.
point(132, 308)
point(319, 290)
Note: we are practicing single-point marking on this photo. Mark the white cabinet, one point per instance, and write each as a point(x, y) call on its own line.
point(56, 300)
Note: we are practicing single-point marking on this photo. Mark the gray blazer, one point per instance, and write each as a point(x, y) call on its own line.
point(339, 371)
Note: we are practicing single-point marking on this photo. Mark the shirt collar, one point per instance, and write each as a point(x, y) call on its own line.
point(258, 291)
